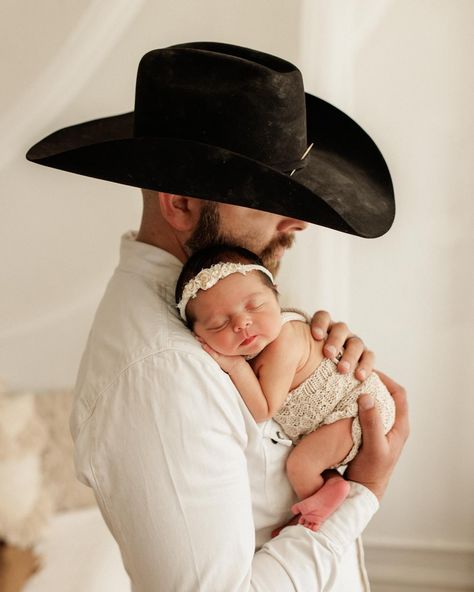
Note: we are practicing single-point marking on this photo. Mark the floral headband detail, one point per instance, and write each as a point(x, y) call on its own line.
point(209, 277)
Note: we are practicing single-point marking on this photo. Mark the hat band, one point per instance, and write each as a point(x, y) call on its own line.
point(291, 166)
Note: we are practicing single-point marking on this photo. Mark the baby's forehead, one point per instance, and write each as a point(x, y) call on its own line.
point(234, 288)
point(236, 284)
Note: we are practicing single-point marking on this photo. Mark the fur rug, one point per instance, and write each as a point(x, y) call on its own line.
point(36, 464)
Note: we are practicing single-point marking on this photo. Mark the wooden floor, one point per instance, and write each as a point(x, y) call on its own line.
point(419, 569)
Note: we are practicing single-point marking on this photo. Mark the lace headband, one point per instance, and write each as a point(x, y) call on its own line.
point(209, 277)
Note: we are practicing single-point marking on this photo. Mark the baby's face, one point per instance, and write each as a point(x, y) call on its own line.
point(240, 315)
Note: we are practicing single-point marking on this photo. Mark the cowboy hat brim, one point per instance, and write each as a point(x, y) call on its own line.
point(345, 183)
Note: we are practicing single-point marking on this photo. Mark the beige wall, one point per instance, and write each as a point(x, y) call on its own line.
point(403, 69)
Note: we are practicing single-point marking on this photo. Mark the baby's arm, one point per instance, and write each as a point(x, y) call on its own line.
point(244, 380)
point(265, 391)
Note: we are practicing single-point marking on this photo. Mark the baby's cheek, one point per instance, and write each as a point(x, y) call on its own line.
point(272, 329)
point(220, 343)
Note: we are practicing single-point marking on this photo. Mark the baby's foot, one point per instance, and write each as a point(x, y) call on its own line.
point(317, 507)
point(291, 522)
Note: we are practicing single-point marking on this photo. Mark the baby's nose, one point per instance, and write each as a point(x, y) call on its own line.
point(241, 322)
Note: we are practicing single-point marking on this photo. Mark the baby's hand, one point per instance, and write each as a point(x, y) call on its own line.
point(227, 363)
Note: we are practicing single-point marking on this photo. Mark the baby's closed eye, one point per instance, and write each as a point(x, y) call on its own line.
point(218, 326)
point(251, 306)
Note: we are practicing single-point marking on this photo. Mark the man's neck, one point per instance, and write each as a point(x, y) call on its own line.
point(163, 238)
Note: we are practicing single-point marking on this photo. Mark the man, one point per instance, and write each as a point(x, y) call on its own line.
point(188, 484)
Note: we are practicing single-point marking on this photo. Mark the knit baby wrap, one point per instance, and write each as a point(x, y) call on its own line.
point(327, 396)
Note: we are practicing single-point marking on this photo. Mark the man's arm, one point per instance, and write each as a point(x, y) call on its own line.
point(379, 453)
point(165, 450)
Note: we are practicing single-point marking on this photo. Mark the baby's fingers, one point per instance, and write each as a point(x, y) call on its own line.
point(209, 350)
point(200, 339)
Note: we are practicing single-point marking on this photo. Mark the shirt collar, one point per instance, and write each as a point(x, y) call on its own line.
point(149, 261)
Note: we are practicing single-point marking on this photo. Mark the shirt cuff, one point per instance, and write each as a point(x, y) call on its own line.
point(351, 518)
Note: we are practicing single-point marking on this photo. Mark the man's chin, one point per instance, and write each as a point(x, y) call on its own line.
point(273, 254)
point(272, 261)
point(273, 265)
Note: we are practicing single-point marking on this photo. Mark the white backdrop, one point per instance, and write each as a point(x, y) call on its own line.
point(403, 70)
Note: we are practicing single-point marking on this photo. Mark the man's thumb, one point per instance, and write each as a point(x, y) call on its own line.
point(365, 402)
point(369, 417)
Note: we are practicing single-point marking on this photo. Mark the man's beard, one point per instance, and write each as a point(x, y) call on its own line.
point(208, 232)
point(271, 262)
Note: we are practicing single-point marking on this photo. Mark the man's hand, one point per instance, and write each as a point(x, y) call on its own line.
point(379, 452)
point(338, 338)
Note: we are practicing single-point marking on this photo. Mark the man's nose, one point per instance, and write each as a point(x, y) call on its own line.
point(291, 225)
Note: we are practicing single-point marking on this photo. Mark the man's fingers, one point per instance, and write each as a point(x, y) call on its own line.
point(336, 339)
point(320, 324)
point(356, 356)
point(365, 365)
point(401, 427)
point(373, 436)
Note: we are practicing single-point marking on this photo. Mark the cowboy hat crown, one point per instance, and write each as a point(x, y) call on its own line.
point(234, 125)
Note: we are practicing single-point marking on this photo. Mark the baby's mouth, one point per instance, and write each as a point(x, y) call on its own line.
point(249, 340)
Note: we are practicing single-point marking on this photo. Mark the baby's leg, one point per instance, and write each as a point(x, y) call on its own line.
point(323, 448)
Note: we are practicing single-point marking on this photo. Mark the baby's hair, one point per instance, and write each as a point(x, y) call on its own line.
point(220, 253)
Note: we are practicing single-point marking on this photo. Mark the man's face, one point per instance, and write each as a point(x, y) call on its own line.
point(268, 235)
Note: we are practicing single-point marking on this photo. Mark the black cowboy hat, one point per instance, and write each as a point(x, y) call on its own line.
point(234, 125)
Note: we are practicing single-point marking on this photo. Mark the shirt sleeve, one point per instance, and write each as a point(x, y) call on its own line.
point(164, 450)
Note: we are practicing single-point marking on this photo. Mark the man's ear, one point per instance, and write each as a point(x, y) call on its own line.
point(181, 212)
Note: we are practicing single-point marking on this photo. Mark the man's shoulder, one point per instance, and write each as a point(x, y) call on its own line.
point(136, 328)
point(136, 317)
point(134, 345)
point(166, 371)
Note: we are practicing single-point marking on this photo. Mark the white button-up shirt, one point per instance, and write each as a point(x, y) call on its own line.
point(189, 485)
